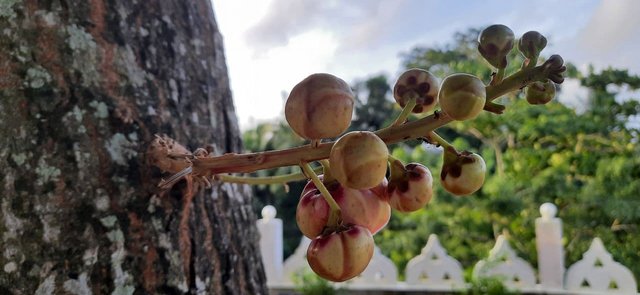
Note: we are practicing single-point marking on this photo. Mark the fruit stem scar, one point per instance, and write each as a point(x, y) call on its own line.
point(335, 217)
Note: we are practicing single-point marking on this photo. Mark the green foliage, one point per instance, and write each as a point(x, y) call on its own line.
point(308, 283)
point(487, 286)
point(367, 110)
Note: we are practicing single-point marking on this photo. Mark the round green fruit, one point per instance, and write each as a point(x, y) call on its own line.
point(462, 96)
point(495, 42)
point(540, 92)
point(358, 160)
point(531, 44)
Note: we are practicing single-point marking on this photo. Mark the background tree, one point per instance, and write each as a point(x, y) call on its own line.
point(376, 110)
point(585, 163)
point(83, 89)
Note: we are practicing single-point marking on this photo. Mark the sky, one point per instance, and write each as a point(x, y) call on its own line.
point(271, 45)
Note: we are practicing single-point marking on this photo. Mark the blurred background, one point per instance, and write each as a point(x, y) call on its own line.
point(579, 152)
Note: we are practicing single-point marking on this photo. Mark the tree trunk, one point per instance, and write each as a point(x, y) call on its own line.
point(84, 86)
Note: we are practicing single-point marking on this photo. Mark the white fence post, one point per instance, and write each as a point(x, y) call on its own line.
point(550, 249)
point(270, 229)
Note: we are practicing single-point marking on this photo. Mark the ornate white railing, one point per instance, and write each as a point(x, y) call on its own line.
point(435, 271)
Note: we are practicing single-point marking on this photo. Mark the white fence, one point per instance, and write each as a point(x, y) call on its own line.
point(435, 271)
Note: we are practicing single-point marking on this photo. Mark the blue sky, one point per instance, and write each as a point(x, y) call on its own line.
point(272, 44)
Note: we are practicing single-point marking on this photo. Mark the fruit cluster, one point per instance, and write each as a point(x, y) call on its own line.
point(357, 198)
point(351, 200)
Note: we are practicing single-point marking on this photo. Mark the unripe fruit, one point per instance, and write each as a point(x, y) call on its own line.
point(495, 42)
point(319, 107)
point(413, 190)
point(462, 96)
point(366, 207)
point(358, 159)
point(420, 84)
point(464, 175)
point(341, 255)
point(531, 44)
point(540, 92)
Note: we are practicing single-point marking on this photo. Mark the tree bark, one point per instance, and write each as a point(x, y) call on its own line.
point(84, 86)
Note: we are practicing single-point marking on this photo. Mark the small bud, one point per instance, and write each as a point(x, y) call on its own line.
point(554, 62)
point(540, 92)
point(531, 44)
point(420, 84)
point(495, 43)
point(554, 67)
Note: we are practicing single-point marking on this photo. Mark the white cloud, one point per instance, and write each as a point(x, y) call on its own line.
point(272, 44)
point(267, 76)
point(575, 95)
point(286, 19)
point(611, 37)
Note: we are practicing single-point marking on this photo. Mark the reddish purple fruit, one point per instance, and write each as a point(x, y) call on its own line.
point(365, 207)
point(341, 255)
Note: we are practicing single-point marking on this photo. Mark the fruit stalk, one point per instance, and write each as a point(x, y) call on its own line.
point(265, 179)
point(335, 217)
point(250, 162)
point(406, 111)
point(436, 139)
